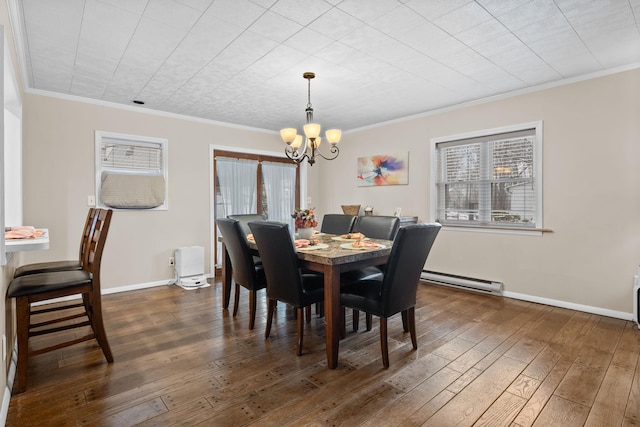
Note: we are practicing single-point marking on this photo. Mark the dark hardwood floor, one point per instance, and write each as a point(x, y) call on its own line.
point(481, 360)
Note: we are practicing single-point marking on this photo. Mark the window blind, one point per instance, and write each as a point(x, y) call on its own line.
point(488, 180)
point(125, 155)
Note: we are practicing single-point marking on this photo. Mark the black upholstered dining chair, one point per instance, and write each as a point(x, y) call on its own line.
point(286, 281)
point(395, 292)
point(338, 223)
point(65, 265)
point(375, 227)
point(245, 271)
point(378, 226)
point(41, 287)
point(245, 219)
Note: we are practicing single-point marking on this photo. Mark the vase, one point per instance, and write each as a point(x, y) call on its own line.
point(305, 233)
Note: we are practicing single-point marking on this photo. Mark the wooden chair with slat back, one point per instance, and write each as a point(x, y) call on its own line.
point(44, 267)
point(42, 287)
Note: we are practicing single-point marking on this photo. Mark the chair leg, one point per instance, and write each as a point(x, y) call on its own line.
point(369, 318)
point(356, 320)
point(94, 312)
point(236, 300)
point(307, 313)
point(411, 319)
point(320, 309)
point(22, 320)
point(383, 342)
point(405, 327)
point(253, 297)
point(300, 330)
point(270, 309)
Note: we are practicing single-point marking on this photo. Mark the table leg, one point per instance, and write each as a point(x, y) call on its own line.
point(332, 313)
point(226, 277)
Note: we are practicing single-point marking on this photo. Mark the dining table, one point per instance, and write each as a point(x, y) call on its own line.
point(331, 255)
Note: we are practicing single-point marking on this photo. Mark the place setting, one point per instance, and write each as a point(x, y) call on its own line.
point(309, 245)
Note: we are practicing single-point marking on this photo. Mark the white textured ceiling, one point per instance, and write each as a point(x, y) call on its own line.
point(241, 61)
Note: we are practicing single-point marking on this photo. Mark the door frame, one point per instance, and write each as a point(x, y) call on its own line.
point(212, 189)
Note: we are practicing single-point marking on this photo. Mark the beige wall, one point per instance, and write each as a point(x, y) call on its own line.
point(591, 200)
point(59, 175)
point(591, 180)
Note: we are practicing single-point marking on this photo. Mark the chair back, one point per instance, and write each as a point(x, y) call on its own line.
point(96, 247)
point(408, 255)
point(378, 226)
point(245, 219)
point(280, 261)
point(87, 234)
point(243, 266)
point(338, 223)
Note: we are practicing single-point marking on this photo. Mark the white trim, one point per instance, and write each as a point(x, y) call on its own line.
point(493, 230)
point(572, 306)
point(163, 142)
point(538, 160)
point(502, 96)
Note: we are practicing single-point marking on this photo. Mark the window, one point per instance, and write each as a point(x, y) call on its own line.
point(489, 179)
point(131, 171)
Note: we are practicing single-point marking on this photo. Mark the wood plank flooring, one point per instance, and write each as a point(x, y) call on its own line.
point(481, 361)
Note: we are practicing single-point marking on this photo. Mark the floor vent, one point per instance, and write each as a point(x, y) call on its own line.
point(467, 283)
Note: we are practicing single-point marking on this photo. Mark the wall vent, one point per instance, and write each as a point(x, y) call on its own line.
point(461, 282)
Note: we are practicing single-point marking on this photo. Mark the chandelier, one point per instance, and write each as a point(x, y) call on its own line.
point(295, 150)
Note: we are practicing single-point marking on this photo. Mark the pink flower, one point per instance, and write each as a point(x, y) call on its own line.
point(304, 218)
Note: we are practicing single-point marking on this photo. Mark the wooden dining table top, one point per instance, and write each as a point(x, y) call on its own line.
point(334, 254)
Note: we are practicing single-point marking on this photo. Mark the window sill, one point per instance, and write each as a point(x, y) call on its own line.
point(499, 230)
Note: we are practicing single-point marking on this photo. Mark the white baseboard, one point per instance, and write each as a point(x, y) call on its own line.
point(137, 286)
point(564, 304)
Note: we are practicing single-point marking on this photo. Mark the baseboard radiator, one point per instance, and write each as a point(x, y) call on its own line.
point(467, 283)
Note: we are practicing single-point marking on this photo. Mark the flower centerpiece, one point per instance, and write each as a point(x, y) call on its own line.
point(305, 220)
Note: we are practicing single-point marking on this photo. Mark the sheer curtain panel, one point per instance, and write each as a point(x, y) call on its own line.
point(238, 187)
point(280, 188)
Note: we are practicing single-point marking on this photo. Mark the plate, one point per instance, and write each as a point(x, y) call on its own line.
point(342, 239)
point(314, 247)
point(350, 246)
point(318, 233)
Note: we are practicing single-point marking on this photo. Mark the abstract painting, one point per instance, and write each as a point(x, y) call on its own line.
point(383, 169)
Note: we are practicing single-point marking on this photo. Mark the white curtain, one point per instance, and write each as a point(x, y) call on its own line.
point(236, 180)
point(238, 188)
point(280, 188)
